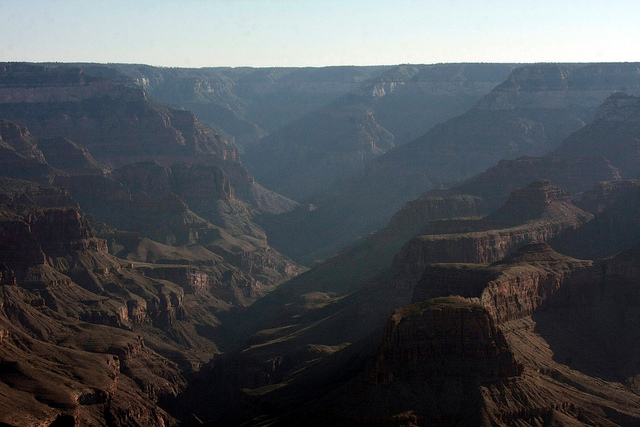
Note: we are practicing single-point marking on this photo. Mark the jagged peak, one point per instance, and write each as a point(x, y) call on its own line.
point(619, 107)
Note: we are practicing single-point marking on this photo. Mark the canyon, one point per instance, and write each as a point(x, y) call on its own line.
point(450, 244)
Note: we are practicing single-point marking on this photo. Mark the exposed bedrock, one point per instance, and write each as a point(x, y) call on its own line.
point(537, 212)
point(510, 289)
point(443, 337)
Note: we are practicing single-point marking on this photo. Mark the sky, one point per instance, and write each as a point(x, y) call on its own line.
point(268, 33)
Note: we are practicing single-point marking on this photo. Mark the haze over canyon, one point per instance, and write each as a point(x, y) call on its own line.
point(448, 244)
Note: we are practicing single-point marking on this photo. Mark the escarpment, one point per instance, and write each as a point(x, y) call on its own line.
point(443, 337)
point(509, 289)
point(537, 212)
point(58, 368)
point(117, 123)
point(475, 350)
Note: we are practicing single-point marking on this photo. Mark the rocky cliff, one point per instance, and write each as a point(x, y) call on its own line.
point(510, 371)
point(542, 211)
point(477, 139)
point(143, 325)
point(57, 277)
point(443, 337)
point(116, 123)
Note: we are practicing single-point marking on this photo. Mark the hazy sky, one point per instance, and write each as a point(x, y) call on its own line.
point(199, 33)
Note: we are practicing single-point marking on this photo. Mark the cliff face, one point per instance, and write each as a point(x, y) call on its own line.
point(55, 272)
point(58, 369)
point(509, 289)
point(141, 324)
point(478, 139)
point(501, 354)
point(431, 206)
point(116, 123)
point(401, 104)
point(443, 337)
point(542, 210)
point(246, 103)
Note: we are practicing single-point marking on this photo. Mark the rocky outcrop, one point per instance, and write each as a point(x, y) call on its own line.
point(509, 289)
point(529, 277)
point(443, 337)
point(542, 210)
point(540, 200)
point(57, 369)
point(433, 205)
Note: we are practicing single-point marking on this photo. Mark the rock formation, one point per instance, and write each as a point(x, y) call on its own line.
point(497, 356)
point(613, 134)
point(443, 337)
point(537, 212)
point(528, 115)
point(407, 99)
point(102, 116)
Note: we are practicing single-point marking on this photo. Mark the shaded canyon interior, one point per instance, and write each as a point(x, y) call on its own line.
point(450, 244)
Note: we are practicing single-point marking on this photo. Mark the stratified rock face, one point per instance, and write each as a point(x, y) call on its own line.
point(118, 124)
point(478, 139)
point(155, 179)
point(537, 212)
point(530, 113)
point(400, 104)
point(443, 337)
point(58, 369)
point(433, 205)
point(237, 99)
point(509, 289)
point(54, 272)
point(27, 237)
point(63, 230)
point(62, 153)
point(529, 277)
point(614, 134)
